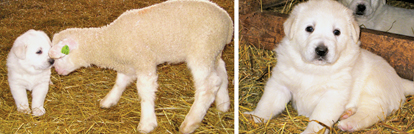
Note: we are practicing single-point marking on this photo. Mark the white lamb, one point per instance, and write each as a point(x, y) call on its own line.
point(191, 31)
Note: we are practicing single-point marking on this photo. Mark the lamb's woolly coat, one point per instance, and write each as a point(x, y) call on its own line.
point(166, 32)
point(191, 31)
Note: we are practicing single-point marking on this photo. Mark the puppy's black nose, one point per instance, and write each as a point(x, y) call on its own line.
point(51, 61)
point(321, 50)
point(360, 9)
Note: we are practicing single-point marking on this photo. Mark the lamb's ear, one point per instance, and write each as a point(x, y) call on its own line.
point(63, 48)
point(20, 51)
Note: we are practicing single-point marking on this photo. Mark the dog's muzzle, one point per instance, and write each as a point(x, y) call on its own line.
point(51, 61)
point(360, 10)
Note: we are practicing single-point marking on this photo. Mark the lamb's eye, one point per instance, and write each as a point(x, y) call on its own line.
point(39, 52)
point(336, 32)
point(309, 29)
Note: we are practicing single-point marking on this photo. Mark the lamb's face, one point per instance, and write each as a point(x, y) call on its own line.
point(64, 63)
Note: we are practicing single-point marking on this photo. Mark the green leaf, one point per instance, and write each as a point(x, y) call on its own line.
point(65, 49)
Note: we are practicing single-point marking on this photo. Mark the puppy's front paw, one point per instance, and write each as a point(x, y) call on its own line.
point(347, 125)
point(39, 111)
point(348, 113)
point(23, 109)
point(146, 126)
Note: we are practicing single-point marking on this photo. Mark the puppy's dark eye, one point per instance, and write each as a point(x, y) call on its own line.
point(309, 29)
point(337, 32)
point(39, 52)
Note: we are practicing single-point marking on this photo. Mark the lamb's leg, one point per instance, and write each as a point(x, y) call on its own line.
point(147, 85)
point(207, 82)
point(38, 98)
point(20, 97)
point(274, 100)
point(122, 81)
point(222, 98)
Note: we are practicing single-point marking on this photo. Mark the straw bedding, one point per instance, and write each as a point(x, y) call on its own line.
point(255, 66)
point(72, 104)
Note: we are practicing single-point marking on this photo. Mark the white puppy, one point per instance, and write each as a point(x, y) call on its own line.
point(28, 65)
point(325, 73)
point(376, 14)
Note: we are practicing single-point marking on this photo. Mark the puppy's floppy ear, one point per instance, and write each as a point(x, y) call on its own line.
point(56, 51)
point(345, 2)
point(355, 31)
point(353, 27)
point(376, 3)
point(20, 50)
point(290, 24)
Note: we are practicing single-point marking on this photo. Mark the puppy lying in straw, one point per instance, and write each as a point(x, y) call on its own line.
point(28, 65)
point(326, 75)
point(376, 14)
point(191, 31)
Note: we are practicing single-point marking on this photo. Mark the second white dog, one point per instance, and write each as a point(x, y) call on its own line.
point(376, 14)
point(28, 65)
point(326, 75)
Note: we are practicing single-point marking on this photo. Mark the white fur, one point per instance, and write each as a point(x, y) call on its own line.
point(191, 31)
point(350, 82)
point(380, 16)
point(28, 65)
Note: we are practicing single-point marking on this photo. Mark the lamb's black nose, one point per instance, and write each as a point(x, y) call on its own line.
point(51, 61)
point(360, 9)
point(321, 50)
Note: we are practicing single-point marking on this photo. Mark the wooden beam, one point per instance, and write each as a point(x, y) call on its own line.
point(265, 30)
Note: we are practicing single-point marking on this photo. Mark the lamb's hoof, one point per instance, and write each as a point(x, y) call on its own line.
point(38, 111)
point(321, 131)
point(146, 127)
point(188, 127)
point(224, 106)
point(24, 109)
point(107, 103)
point(251, 116)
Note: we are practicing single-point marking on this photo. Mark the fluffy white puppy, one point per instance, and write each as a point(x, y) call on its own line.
point(325, 73)
point(28, 65)
point(376, 14)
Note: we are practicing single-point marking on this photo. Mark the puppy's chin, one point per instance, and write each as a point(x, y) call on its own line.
point(361, 17)
point(44, 66)
point(320, 61)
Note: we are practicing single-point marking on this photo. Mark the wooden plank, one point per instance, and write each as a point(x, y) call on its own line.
point(265, 30)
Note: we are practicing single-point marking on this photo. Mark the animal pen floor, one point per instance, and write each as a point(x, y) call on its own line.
point(255, 66)
point(72, 104)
